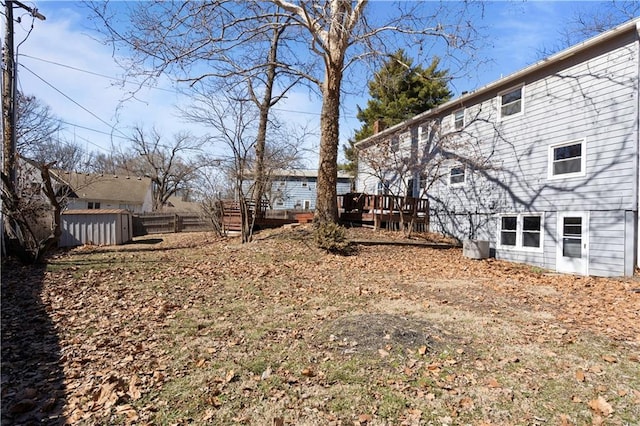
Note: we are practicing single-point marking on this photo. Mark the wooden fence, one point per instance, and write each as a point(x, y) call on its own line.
point(168, 222)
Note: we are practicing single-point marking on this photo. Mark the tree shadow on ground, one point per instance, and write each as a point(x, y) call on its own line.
point(33, 381)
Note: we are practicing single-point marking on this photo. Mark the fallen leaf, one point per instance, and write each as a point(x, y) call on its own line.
point(466, 403)
point(610, 358)
point(493, 383)
point(601, 406)
point(422, 350)
point(129, 411)
point(365, 418)
point(308, 372)
point(134, 391)
point(580, 375)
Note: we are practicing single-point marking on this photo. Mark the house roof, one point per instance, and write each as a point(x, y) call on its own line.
point(176, 204)
point(511, 79)
point(126, 189)
point(96, 212)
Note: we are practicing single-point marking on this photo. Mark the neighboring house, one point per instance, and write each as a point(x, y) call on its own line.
point(296, 189)
point(94, 191)
point(177, 204)
point(543, 163)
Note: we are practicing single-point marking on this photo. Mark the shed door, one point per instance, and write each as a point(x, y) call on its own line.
point(573, 243)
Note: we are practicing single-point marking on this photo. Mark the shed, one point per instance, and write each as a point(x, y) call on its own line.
point(100, 227)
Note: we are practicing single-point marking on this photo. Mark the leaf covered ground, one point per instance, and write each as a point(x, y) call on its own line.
point(196, 329)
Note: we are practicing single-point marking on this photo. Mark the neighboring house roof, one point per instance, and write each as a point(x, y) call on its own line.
point(131, 190)
point(307, 173)
point(511, 79)
point(176, 204)
point(96, 212)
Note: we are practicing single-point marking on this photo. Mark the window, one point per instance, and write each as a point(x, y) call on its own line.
point(510, 102)
point(567, 160)
point(457, 176)
point(458, 119)
point(91, 205)
point(520, 231)
point(531, 231)
point(508, 230)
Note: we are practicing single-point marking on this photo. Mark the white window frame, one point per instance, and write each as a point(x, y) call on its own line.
point(519, 232)
point(583, 160)
point(455, 119)
point(500, 105)
point(464, 176)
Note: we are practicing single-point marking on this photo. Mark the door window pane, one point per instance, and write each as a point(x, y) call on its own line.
point(572, 247)
point(572, 226)
point(572, 237)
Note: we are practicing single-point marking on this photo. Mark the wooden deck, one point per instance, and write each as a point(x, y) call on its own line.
point(379, 211)
point(384, 211)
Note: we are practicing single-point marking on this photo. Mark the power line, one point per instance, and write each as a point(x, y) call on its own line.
point(116, 79)
point(76, 103)
point(149, 86)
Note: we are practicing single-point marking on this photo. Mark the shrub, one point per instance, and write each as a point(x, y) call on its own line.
point(332, 237)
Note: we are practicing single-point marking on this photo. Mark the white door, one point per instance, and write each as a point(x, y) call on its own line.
point(573, 243)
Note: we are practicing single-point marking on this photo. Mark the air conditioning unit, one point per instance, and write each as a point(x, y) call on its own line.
point(475, 249)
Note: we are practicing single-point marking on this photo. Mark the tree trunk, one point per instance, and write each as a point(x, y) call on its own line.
point(265, 107)
point(327, 197)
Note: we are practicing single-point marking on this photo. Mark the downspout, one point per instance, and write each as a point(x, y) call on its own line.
point(636, 183)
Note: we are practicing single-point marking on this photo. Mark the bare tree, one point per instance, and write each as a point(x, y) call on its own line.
point(240, 44)
point(31, 207)
point(341, 34)
point(186, 37)
point(31, 204)
point(584, 23)
point(35, 125)
point(234, 118)
point(172, 168)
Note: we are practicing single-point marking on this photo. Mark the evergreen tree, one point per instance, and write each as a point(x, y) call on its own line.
point(399, 91)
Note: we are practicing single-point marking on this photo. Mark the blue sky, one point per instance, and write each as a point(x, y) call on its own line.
point(65, 66)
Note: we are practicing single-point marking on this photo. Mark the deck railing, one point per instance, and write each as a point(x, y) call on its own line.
point(382, 203)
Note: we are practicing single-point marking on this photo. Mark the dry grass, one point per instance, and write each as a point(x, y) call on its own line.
point(196, 330)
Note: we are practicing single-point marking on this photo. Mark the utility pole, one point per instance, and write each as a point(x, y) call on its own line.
point(9, 83)
point(8, 94)
point(9, 90)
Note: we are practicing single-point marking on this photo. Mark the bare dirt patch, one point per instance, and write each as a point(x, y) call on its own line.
point(369, 333)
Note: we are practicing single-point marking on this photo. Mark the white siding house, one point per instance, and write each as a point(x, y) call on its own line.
point(542, 163)
point(95, 192)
